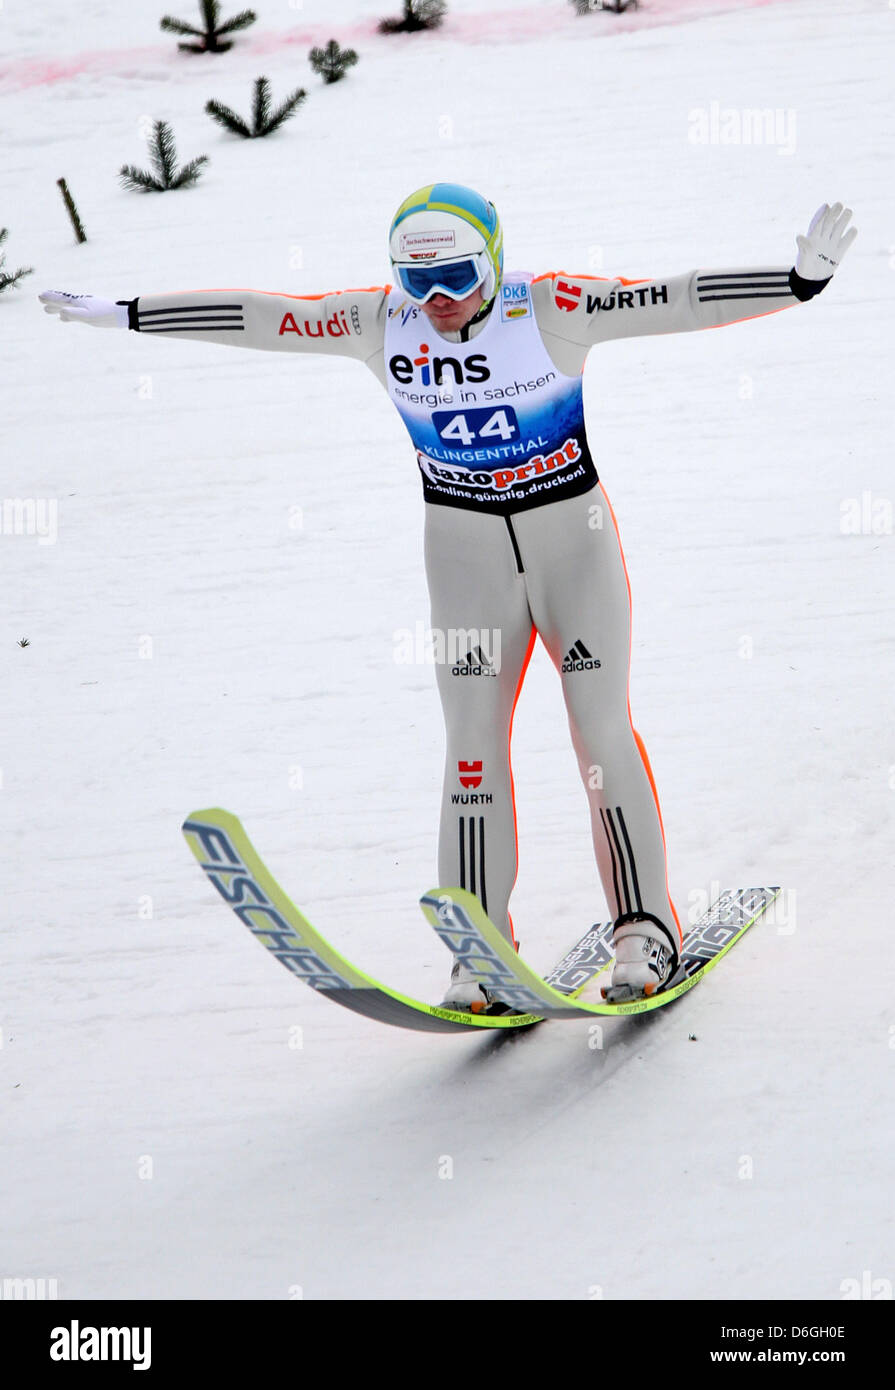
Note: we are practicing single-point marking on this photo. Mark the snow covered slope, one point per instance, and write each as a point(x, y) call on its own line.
point(236, 544)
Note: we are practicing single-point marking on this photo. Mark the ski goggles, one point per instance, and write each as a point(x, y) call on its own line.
point(456, 279)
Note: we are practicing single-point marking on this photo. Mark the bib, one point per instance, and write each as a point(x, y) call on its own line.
point(495, 425)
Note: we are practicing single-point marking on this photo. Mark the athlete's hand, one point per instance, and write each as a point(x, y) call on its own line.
point(84, 308)
point(821, 251)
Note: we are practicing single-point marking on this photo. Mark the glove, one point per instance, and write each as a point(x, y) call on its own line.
point(821, 251)
point(84, 308)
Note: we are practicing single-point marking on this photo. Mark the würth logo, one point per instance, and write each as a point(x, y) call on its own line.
point(567, 296)
point(470, 774)
point(578, 658)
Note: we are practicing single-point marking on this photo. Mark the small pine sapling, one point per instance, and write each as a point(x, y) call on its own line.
point(614, 6)
point(418, 14)
point(210, 37)
point(10, 278)
point(332, 62)
point(264, 120)
point(165, 175)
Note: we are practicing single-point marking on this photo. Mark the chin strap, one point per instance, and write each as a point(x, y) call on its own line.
point(477, 317)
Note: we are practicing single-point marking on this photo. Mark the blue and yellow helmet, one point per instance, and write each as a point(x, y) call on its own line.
point(446, 239)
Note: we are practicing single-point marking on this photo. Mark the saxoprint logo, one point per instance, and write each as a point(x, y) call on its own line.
point(77, 1343)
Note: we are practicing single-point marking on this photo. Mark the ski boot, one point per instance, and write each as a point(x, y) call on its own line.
point(465, 993)
point(468, 996)
point(645, 958)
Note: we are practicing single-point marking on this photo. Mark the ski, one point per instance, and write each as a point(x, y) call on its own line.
point(234, 867)
point(470, 935)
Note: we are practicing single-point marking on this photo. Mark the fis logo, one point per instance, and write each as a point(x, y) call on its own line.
point(432, 369)
point(403, 310)
point(578, 658)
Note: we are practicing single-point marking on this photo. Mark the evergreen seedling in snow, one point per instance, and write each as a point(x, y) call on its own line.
point(418, 14)
point(616, 6)
point(210, 37)
point(263, 119)
point(6, 278)
point(80, 234)
point(332, 62)
point(164, 162)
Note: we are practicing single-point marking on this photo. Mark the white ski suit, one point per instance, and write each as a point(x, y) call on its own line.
point(520, 537)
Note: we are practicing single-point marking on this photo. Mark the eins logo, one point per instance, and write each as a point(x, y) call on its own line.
point(432, 370)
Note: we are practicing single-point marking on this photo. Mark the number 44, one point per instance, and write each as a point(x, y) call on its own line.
point(497, 426)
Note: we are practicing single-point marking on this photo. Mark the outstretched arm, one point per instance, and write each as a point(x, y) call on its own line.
point(346, 323)
point(574, 312)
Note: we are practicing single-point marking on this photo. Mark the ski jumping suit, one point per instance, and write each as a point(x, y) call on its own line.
point(520, 537)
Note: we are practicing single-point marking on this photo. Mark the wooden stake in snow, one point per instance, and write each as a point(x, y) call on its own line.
point(68, 200)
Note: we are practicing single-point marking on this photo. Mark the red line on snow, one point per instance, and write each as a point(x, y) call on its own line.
point(517, 25)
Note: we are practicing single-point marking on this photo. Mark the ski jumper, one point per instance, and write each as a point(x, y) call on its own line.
point(520, 538)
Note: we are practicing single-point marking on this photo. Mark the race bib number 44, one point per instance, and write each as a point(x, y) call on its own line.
point(467, 428)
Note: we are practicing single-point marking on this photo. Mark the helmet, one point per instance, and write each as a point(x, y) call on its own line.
point(446, 239)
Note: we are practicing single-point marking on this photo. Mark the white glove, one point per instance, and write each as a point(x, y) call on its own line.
point(84, 308)
point(821, 251)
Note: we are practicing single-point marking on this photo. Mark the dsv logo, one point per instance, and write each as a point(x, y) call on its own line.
point(432, 370)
